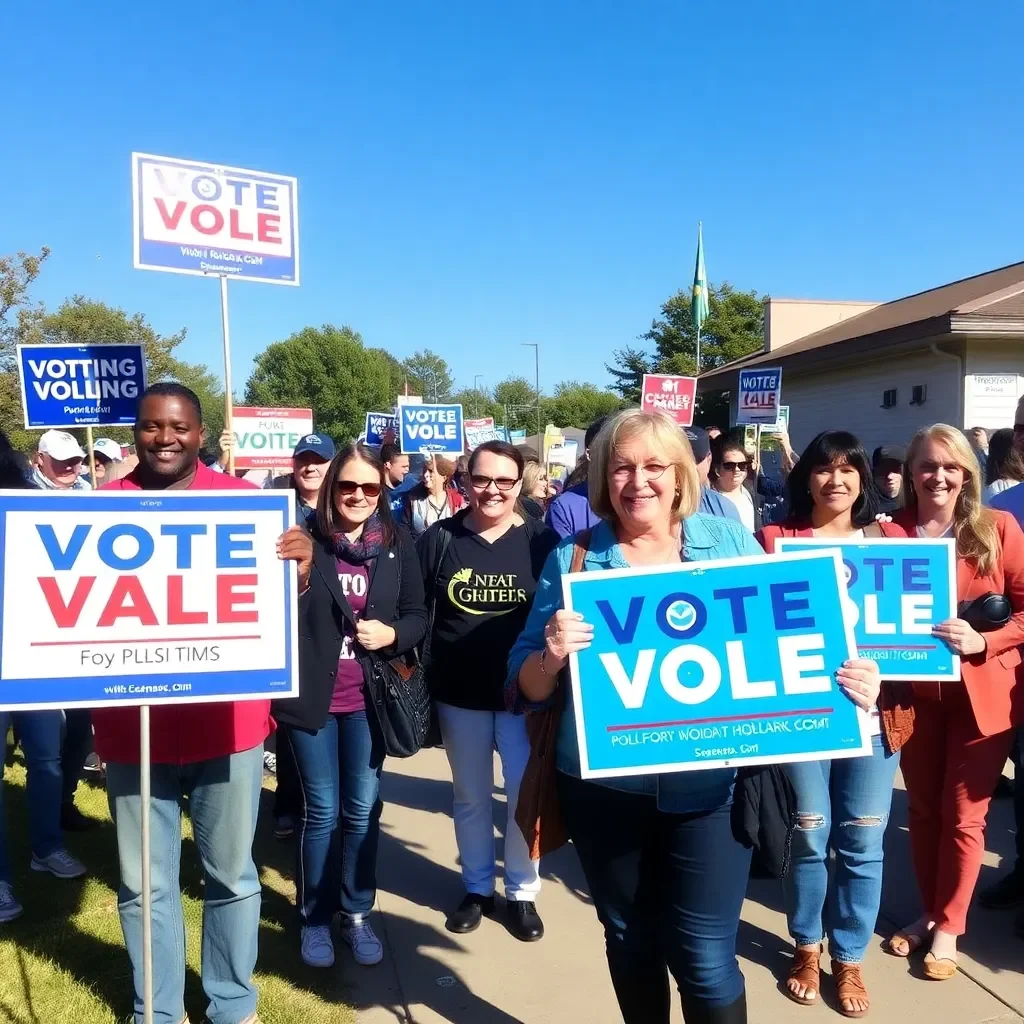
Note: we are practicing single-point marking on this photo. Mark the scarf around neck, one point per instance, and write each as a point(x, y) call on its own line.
point(367, 547)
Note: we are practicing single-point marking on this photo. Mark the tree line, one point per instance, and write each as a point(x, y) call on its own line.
point(333, 371)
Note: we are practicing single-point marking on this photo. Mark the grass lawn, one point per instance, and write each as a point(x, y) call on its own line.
point(63, 961)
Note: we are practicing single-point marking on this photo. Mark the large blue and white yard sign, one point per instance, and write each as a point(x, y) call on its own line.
point(899, 590)
point(145, 597)
point(431, 429)
point(713, 664)
point(80, 385)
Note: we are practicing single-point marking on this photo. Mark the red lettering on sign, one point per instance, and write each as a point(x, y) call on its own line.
point(228, 598)
point(235, 229)
point(65, 615)
point(267, 223)
point(170, 220)
point(218, 219)
point(127, 601)
point(176, 614)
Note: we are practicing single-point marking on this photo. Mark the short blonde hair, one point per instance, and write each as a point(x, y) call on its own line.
point(974, 526)
point(665, 437)
point(532, 472)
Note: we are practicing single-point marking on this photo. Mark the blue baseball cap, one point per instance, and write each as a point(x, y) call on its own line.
point(319, 444)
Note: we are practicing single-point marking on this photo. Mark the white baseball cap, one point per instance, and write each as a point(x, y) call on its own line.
point(60, 445)
point(105, 446)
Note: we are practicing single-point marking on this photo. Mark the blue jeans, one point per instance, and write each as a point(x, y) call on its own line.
point(668, 889)
point(223, 799)
point(844, 805)
point(39, 732)
point(77, 747)
point(339, 776)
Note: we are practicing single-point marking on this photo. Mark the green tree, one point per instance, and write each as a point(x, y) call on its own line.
point(628, 369)
point(399, 377)
point(578, 405)
point(477, 403)
point(733, 329)
point(433, 374)
point(519, 397)
point(17, 273)
point(329, 370)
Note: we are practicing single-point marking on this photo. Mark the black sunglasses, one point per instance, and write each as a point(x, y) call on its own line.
point(729, 467)
point(349, 487)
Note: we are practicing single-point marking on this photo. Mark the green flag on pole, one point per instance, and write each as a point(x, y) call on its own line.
point(699, 303)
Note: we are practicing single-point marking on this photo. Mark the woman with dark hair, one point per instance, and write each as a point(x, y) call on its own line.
point(364, 602)
point(481, 569)
point(1005, 464)
point(842, 804)
point(731, 477)
point(435, 498)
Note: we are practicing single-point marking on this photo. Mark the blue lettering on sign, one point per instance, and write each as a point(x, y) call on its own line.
point(722, 651)
point(899, 590)
point(431, 428)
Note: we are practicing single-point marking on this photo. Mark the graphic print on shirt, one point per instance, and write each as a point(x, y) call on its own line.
point(353, 586)
point(485, 593)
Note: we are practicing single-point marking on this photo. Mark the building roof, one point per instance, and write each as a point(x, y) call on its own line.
point(992, 302)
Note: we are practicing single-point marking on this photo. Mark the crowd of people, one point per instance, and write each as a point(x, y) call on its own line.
point(463, 564)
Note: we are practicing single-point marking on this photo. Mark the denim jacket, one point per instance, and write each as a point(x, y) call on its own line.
point(705, 538)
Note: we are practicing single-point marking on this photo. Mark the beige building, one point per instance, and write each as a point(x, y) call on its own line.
point(952, 354)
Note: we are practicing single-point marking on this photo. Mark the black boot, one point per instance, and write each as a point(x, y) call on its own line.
point(467, 916)
point(734, 1013)
point(524, 922)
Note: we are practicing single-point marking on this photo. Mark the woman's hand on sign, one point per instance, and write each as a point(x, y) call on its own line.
point(860, 681)
point(960, 636)
point(373, 634)
point(565, 634)
point(297, 546)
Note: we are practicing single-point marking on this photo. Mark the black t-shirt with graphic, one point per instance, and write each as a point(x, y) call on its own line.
point(484, 592)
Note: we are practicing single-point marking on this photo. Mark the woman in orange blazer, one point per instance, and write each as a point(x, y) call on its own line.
point(961, 731)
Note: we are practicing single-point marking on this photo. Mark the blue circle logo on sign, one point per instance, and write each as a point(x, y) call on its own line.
point(681, 615)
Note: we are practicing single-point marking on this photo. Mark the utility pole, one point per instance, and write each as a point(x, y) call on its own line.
point(536, 366)
point(476, 396)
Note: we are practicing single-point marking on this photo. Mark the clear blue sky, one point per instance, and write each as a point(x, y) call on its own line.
point(477, 173)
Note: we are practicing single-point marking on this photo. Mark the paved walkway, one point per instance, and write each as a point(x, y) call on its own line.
point(488, 977)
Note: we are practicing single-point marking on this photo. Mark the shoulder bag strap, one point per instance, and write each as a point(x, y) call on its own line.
point(580, 549)
point(444, 539)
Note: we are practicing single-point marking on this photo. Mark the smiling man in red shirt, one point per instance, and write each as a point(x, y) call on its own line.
point(210, 755)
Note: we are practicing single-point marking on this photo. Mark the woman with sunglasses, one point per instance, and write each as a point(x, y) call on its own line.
point(730, 473)
point(364, 601)
point(842, 805)
point(481, 569)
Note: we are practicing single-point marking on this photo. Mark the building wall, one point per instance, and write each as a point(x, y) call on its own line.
point(785, 320)
point(993, 382)
point(851, 399)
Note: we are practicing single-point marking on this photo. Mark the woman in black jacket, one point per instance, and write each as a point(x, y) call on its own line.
point(364, 601)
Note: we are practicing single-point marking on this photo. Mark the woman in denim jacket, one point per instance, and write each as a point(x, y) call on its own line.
point(666, 875)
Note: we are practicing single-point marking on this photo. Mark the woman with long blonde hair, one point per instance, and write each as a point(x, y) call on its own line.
point(961, 732)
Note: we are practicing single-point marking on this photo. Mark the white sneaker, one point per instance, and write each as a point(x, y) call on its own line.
point(366, 947)
point(10, 908)
point(60, 864)
point(317, 947)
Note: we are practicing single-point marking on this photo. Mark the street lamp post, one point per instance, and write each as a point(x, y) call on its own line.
point(536, 367)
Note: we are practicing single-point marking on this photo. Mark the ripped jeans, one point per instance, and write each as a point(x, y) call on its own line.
point(844, 805)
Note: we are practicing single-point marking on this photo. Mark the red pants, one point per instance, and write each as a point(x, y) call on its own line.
point(950, 770)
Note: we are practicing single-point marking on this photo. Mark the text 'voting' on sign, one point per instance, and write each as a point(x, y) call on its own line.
point(122, 598)
point(713, 664)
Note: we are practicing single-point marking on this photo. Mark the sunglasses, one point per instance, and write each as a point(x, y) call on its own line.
point(731, 467)
point(503, 483)
point(347, 488)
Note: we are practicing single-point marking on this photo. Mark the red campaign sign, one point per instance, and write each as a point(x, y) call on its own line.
point(670, 394)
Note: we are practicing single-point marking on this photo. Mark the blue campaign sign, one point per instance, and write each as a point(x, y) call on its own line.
point(80, 385)
point(759, 396)
point(381, 427)
point(145, 597)
point(195, 217)
point(899, 591)
point(713, 664)
point(431, 429)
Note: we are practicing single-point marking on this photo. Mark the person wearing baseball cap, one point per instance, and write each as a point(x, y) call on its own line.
point(105, 451)
point(58, 463)
point(711, 502)
point(310, 460)
point(887, 468)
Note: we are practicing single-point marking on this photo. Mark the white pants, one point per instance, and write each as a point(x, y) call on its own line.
point(470, 739)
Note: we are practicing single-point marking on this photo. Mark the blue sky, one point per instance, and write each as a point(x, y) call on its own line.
point(478, 173)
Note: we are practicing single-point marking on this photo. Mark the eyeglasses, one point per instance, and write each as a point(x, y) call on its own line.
point(732, 467)
point(349, 487)
point(503, 483)
point(650, 470)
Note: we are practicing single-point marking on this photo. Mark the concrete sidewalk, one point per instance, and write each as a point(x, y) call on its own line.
point(488, 977)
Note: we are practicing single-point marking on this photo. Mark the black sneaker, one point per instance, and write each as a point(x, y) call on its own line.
point(1005, 894)
point(524, 922)
point(73, 820)
point(469, 913)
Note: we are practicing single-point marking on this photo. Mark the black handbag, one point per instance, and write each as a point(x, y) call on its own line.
point(397, 688)
point(985, 613)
